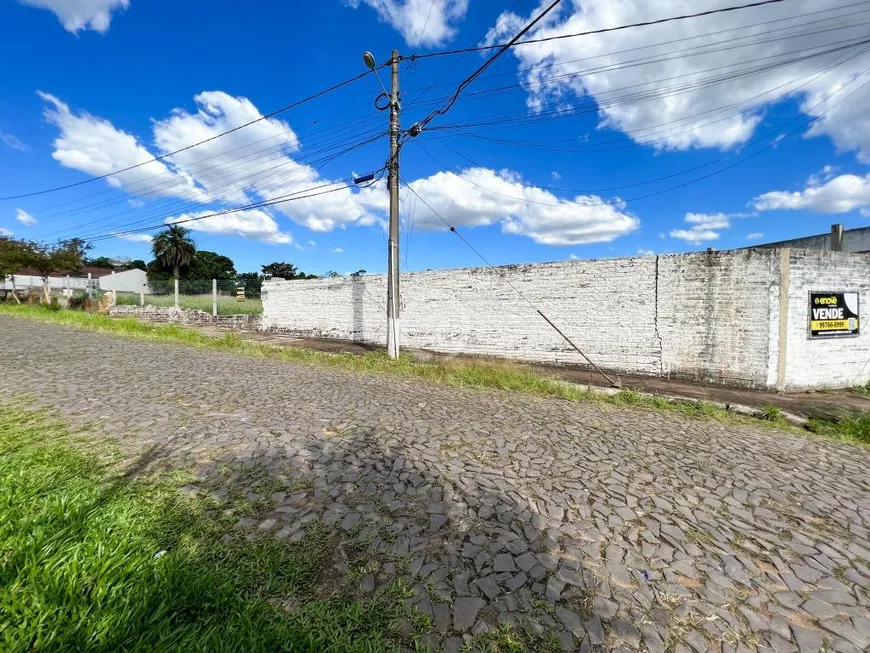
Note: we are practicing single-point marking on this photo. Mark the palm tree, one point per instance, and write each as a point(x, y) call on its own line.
point(174, 248)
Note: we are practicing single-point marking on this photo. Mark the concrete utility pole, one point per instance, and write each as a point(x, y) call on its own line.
point(393, 185)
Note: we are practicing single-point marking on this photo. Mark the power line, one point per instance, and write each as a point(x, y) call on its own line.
point(601, 102)
point(812, 76)
point(419, 126)
point(257, 205)
point(225, 172)
point(162, 214)
point(602, 30)
point(612, 382)
point(456, 61)
point(705, 35)
point(769, 146)
point(161, 157)
point(425, 24)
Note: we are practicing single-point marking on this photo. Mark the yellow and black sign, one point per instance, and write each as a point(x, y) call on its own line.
point(240, 293)
point(833, 314)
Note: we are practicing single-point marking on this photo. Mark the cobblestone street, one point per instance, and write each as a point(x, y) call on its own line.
point(615, 528)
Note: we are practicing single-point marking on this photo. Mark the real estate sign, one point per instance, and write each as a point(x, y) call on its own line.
point(833, 314)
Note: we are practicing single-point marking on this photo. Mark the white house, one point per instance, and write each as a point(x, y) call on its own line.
point(133, 280)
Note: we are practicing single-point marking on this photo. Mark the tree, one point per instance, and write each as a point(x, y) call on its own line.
point(67, 257)
point(137, 264)
point(282, 270)
point(174, 249)
point(210, 265)
point(332, 274)
point(101, 262)
point(285, 271)
point(14, 255)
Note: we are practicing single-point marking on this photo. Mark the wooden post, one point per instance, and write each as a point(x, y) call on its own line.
point(114, 290)
point(142, 295)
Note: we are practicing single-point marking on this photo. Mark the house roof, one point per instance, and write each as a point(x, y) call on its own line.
point(83, 272)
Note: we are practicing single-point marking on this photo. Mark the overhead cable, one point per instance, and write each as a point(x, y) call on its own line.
point(603, 30)
point(160, 157)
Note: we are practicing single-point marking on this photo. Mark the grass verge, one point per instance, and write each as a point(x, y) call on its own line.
point(462, 374)
point(227, 304)
point(93, 560)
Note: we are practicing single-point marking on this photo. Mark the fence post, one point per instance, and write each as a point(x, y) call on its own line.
point(176, 292)
point(114, 290)
point(142, 295)
point(214, 297)
point(67, 282)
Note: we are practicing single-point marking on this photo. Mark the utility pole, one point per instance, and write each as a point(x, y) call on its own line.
point(393, 185)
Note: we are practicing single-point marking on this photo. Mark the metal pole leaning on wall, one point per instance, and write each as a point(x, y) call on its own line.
point(176, 292)
point(214, 297)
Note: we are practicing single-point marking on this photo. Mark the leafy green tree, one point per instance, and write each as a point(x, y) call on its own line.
point(67, 257)
point(210, 265)
point(282, 270)
point(101, 262)
point(137, 264)
point(174, 249)
point(14, 255)
point(332, 274)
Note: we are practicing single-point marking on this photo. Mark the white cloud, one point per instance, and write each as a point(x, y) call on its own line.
point(254, 224)
point(837, 195)
point(249, 165)
point(77, 15)
point(24, 217)
point(134, 238)
point(479, 197)
point(672, 104)
point(757, 235)
point(555, 175)
point(219, 174)
point(311, 243)
point(337, 250)
point(5, 233)
point(10, 140)
point(429, 22)
point(573, 257)
point(645, 252)
point(705, 227)
point(94, 146)
point(823, 176)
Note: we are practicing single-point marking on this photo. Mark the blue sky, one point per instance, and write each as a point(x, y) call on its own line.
point(580, 147)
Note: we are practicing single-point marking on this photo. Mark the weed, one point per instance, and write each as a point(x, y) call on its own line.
point(863, 390)
point(771, 413)
point(847, 429)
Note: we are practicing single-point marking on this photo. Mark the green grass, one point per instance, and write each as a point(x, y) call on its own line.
point(93, 560)
point(847, 429)
point(227, 305)
point(863, 390)
point(455, 373)
point(771, 413)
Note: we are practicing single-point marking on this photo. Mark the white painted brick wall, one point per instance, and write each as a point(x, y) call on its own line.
point(836, 362)
point(713, 317)
point(606, 306)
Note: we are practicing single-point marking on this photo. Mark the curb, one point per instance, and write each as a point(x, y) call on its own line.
point(739, 409)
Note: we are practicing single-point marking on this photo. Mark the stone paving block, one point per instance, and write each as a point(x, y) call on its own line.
point(735, 520)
